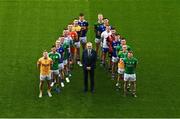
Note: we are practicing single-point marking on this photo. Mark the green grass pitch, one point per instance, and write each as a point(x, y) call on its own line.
point(151, 27)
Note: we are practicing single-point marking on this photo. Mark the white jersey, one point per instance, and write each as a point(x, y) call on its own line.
point(104, 36)
point(68, 40)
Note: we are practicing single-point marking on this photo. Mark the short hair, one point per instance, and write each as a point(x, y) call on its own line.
point(53, 46)
point(113, 28)
point(130, 51)
point(123, 38)
point(105, 18)
point(89, 44)
point(116, 34)
point(58, 41)
point(81, 14)
point(100, 14)
point(70, 24)
point(75, 20)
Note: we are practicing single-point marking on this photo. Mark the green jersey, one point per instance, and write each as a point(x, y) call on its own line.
point(119, 48)
point(66, 50)
point(130, 65)
point(96, 29)
point(55, 57)
point(122, 55)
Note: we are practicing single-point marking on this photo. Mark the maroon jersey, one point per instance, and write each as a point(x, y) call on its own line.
point(110, 40)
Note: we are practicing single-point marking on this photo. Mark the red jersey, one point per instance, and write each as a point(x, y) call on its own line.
point(73, 35)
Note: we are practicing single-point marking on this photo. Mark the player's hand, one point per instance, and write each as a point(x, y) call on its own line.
point(83, 28)
point(88, 68)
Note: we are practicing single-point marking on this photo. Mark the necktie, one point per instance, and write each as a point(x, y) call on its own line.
point(89, 52)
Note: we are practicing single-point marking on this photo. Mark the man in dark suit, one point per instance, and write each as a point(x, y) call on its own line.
point(89, 57)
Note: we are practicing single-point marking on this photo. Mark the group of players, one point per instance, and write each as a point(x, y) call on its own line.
point(56, 66)
point(121, 62)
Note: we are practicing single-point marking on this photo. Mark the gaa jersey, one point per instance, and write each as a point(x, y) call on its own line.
point(114, 45)
point(122, 55)
point(61, 52)
point(55, 57)
point(130, 65)
point(77, 29)
point(66, 51)
point(102, 28)
point(119, 42)
point(104, 36)
point(73, 35)
point(110, 40)
point(97, 31)
point(128, 48)
point(45, 65)
point(120, 64)
point(119, 48)
point(68, 40)
point(82, 24)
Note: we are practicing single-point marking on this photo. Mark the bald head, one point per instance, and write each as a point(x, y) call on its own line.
point(89, 45)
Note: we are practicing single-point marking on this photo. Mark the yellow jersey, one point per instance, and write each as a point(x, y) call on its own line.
point(45, 65)
point(76, 28)
point(120, 64)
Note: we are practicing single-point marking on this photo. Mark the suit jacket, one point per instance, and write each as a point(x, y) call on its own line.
point(89, 61)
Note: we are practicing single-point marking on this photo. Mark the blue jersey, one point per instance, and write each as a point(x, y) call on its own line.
point(119, 42)
point(102, 28)
point(114, 45)
point(60, 51)
point(83, 23)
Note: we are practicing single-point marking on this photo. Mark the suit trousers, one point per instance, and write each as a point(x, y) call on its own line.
point(91, 73)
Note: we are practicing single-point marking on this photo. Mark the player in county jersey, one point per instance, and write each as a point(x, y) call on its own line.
point(77, 43)
point(74, 36)
point(105, 48)
point(102, 28)
point(44, 65)
point(60, 50)
point(110, 40)
point(55, 56)
point(114, 60)
point(69, 42)
point(121, 55)
point(84, 29)
point(118, 48)
point(98, 32)
point(130, 73)
point(123, 42)
point(65, 60)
